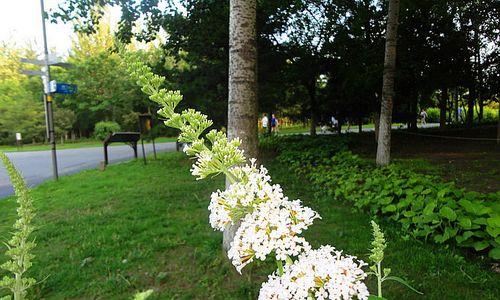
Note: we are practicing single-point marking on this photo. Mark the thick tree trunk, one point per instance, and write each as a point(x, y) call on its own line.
point(384, 137)
point(242, 102)
point(442, 108)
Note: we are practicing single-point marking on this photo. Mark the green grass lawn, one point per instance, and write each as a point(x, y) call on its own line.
point(71, 145)
point(106, 235)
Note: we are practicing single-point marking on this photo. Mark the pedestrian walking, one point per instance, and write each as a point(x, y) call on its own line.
point(274, 123)
point(423, 115)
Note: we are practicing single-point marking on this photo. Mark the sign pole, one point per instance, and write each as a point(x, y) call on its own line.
point(48, 97)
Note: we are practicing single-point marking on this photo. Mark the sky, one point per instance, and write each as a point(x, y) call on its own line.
point(21, 24)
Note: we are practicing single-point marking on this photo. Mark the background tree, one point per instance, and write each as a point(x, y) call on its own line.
point(384, 137)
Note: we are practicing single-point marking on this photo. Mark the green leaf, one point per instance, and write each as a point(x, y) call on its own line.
point(404, 282)
point(494, 221)
point(409, 213)
point(465, 222)
point(372, 297)
point(465, 236)
point(389, 208)
point(429, 208)
point(494, 253)
point(442, 192)
point(481, 245)
point(494, 232)
point(448, 213)
point(480, 221)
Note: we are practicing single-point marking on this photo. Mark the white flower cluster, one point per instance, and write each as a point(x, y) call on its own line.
point(273, 226)
point(252, 188)
point(270, 223)
point(318, 274)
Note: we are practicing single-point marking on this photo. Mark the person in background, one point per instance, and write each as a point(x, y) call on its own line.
point(423, 115)
point(274, 123)
point(265, 122)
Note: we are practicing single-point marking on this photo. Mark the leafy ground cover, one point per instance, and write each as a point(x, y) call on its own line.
point(70, 145)
point(106, 235)
point(424, 205)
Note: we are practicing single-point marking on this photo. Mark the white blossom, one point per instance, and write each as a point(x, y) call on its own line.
point(318, 274)
point(273, 226)
point(253, 187)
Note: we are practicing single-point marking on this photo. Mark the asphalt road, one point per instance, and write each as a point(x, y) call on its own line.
point(36, 166)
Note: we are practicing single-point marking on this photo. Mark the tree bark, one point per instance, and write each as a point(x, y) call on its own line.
point(242, 102)
point(442, 108)
point(376, 123)
point(384, 137)
point(470, 105)
point(498, 126)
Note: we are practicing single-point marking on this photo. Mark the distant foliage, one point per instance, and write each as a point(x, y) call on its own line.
point(21, 244)
point(103, 129)
point(432, 115)
point(426, 207)
point(490, 115)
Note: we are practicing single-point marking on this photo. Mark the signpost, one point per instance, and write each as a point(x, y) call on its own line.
point(49, 87)
point(145, 126)
point(19, 140)
point(62, 88)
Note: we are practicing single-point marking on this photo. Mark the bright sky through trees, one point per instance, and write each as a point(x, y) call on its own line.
point(20, 24)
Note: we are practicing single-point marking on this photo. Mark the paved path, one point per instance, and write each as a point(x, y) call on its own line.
point(36, 166)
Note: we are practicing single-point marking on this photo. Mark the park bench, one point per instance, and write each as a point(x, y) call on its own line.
point(131, 138)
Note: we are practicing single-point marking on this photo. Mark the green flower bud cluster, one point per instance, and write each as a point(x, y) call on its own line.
point(214, 153)
point(20, 245)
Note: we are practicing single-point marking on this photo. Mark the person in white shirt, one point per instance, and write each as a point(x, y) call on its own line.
point(265, 122)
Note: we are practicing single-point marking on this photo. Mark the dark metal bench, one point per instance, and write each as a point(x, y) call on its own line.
point(130, 138)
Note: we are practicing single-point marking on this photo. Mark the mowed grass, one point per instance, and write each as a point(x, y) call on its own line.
point(107, 235)
point(71, 145)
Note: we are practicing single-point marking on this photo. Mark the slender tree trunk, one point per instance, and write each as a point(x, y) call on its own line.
point(442, 108)
point(470, 105)
point(376, 123)
point(242, 102)
point(412, 124)
point(455, 96)
point(498, 126)
point(384, 137)
point(360, 125)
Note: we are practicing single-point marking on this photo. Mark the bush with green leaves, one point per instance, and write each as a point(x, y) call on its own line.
point(432, 115)
point(103, 129)
point(425, 206)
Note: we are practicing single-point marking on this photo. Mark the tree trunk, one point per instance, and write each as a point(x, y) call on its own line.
point(442, 108)
point(311, 88)
point(384, 137)
point(376, 123)
point(498, 126)
point(242, 102)
point(360, 125)
point(413, 115)
point(470, 106)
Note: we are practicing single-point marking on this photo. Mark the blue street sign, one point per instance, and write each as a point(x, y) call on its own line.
point(66, 88)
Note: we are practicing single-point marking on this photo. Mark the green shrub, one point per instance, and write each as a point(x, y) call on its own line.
point(425, 206)
point(103, 129)
point(432, 115)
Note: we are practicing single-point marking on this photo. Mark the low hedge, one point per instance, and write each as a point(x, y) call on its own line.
point(425, 206)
